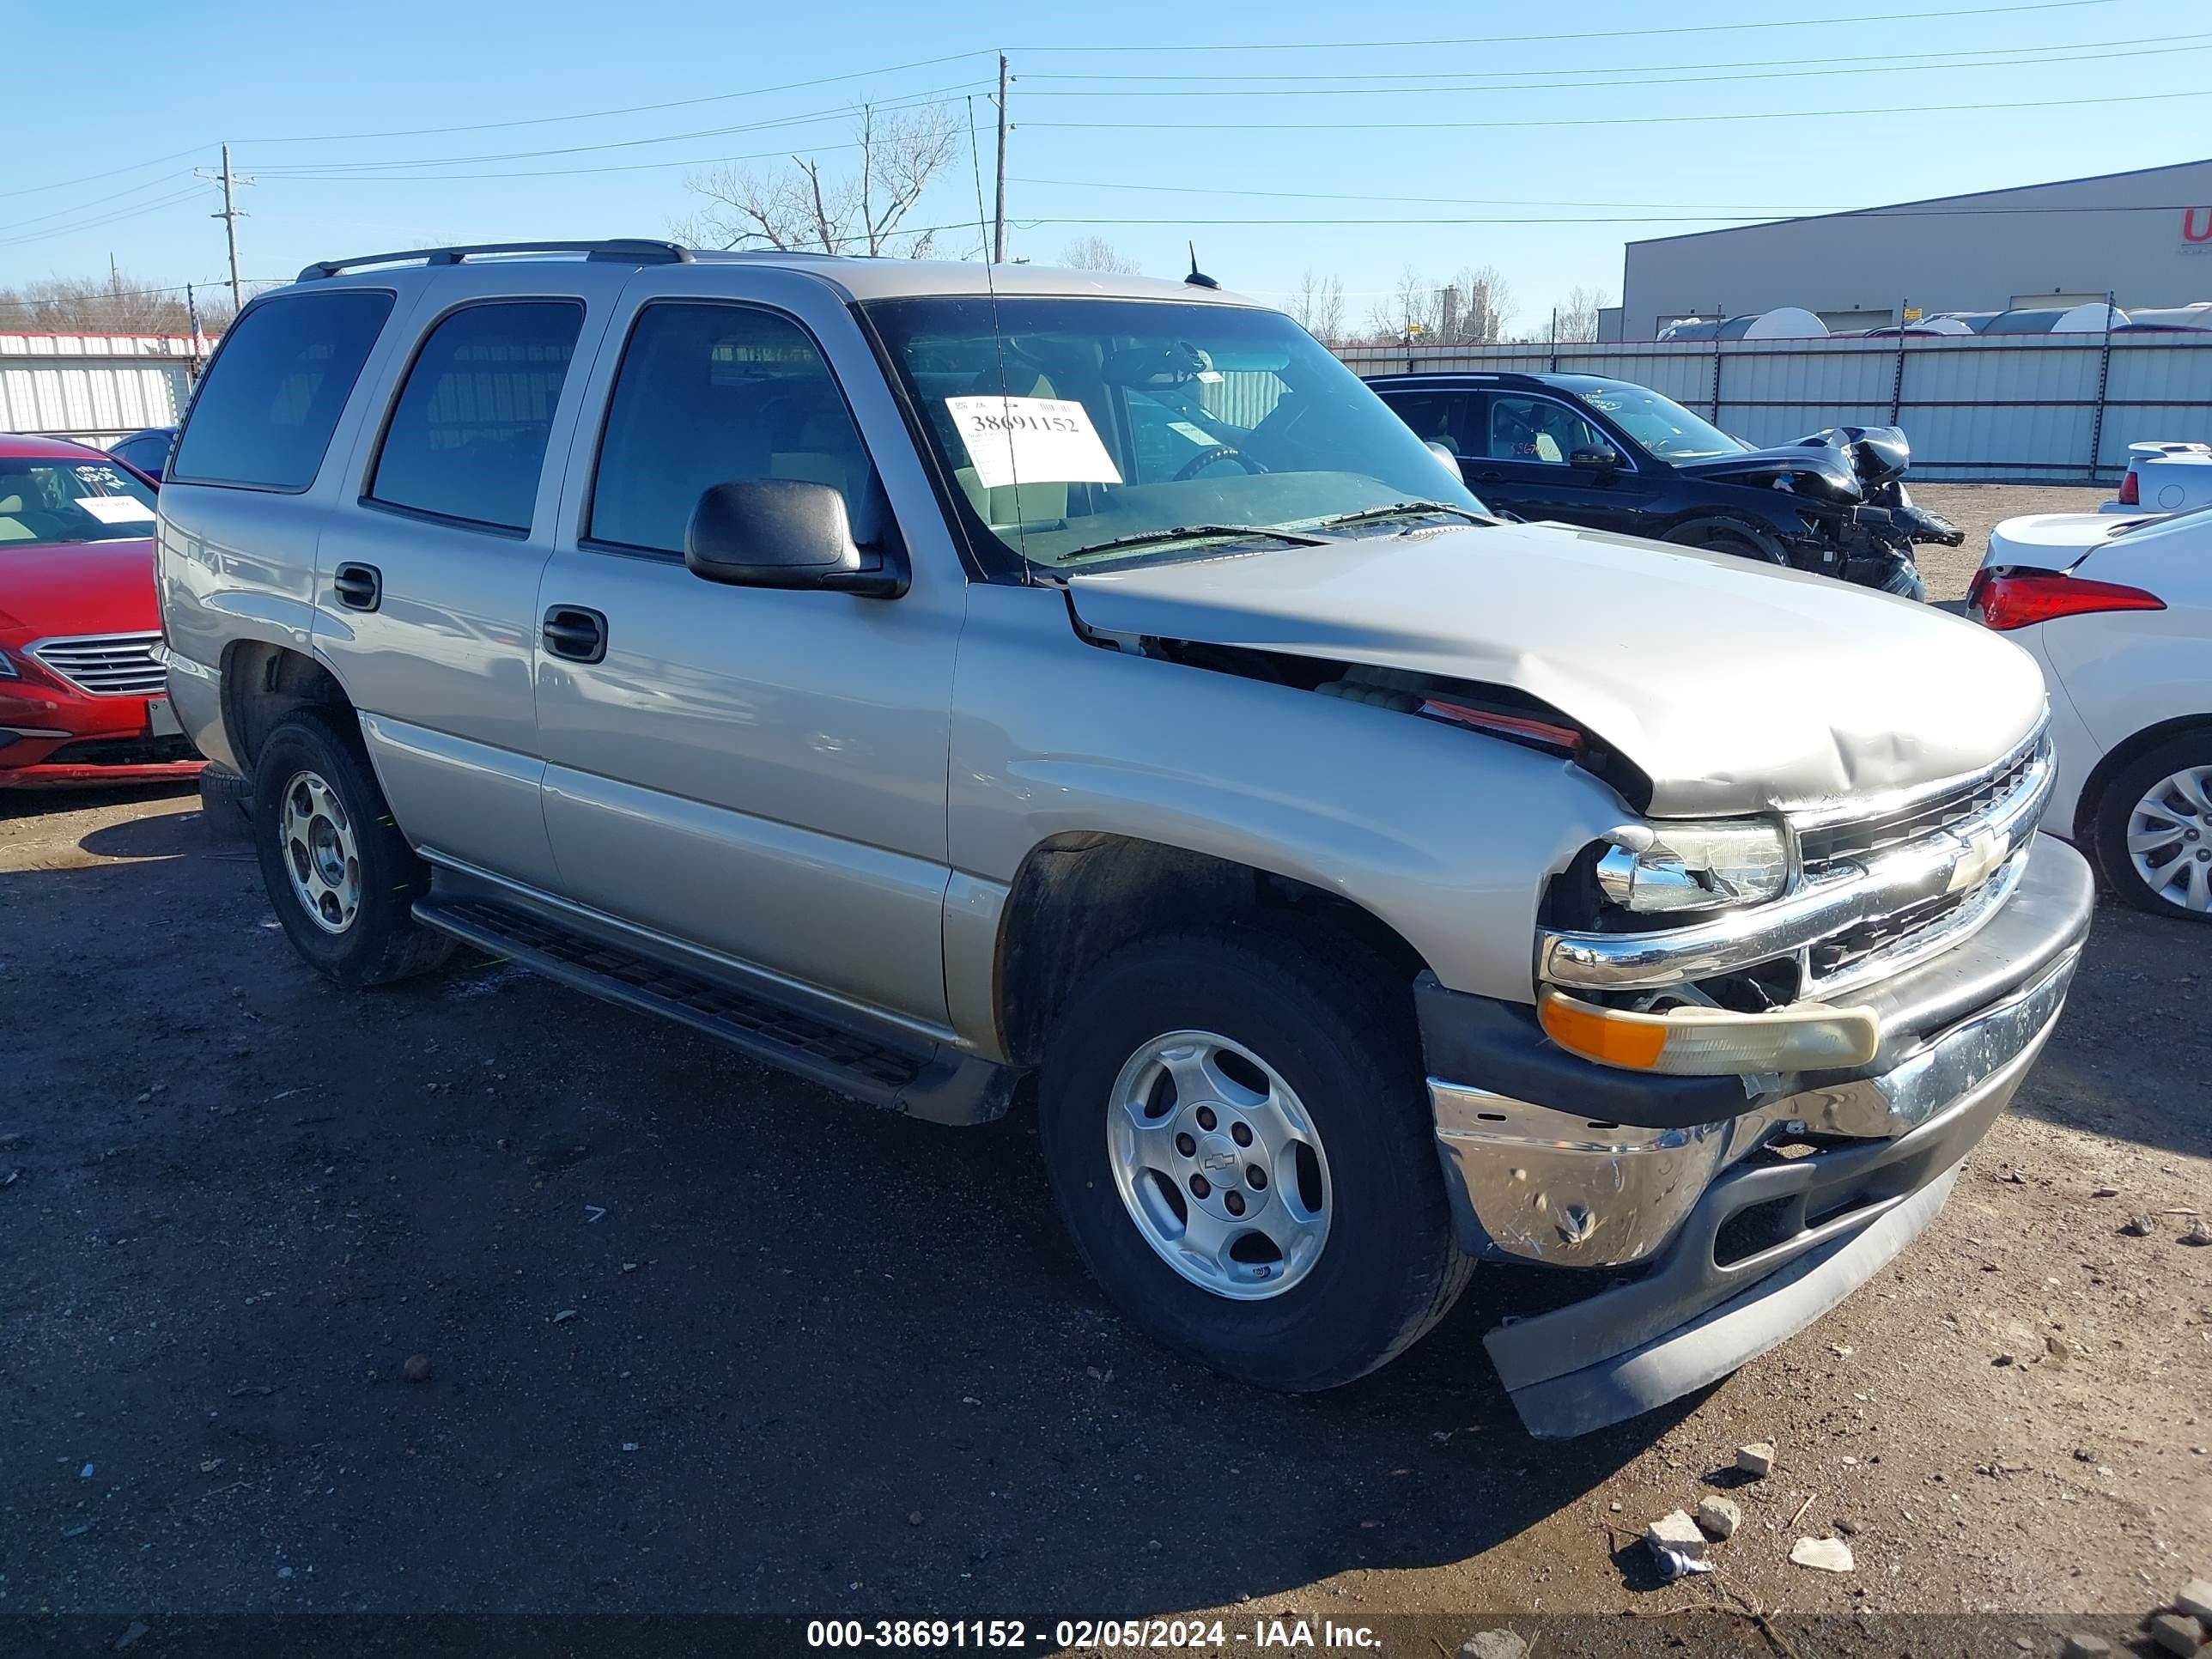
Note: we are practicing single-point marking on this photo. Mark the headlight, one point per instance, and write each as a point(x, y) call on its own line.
point(1661, 867)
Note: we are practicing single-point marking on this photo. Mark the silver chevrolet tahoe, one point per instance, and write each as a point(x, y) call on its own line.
point(957, 685)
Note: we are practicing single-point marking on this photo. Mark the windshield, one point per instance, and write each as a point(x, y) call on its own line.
point(1662, 426)
point(52, 500)
point(1086, 433)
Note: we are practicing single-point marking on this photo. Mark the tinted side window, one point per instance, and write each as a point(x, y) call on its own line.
point(1439, 417)
point(1537, 429)
point(276, 389)
point(467, 437)
point(708, 394)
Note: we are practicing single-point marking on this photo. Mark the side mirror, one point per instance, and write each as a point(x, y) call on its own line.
point(1596, 461)
point(1442, 452)
point(783, 533)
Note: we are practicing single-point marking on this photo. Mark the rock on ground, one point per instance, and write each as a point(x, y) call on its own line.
point(1757, 1459)
point(1719, 1516)
point(1828, 1554)
point(1494, 1644)
point(2177, 1633)
point(1677, 1532)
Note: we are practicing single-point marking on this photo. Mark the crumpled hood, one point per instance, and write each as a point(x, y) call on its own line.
point(1736, 687)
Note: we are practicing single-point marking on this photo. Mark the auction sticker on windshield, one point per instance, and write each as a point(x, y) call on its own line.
point(1031, 441)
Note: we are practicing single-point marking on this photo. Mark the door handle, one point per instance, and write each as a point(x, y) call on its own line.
point(573, 632)
point(359, 586)
point(1492, 476)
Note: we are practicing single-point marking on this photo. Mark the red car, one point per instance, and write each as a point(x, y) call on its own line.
point(83, 696)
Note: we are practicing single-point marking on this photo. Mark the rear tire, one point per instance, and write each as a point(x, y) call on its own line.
point(2152, 829)
point(1297, 1036)
point(341, 878)
point(226, 799)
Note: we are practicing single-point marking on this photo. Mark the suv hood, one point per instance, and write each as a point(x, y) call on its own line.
point(1736, 687)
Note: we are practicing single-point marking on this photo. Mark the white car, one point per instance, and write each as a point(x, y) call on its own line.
point(2164, 477)
point(2119, 613)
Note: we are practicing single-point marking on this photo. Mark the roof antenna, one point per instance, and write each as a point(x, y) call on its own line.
point(1197, 278)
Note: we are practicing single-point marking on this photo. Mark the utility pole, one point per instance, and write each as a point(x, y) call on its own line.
point(999, 222)
point(230, 216)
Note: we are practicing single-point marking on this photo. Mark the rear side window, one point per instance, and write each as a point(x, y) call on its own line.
point(273, 395)
point(1437, 417)
point(712, 394)
point(468, 434)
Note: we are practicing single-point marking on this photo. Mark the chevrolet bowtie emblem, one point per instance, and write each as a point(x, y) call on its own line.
point(1983, 852)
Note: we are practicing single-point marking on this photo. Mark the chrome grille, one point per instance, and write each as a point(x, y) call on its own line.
point(107, 664)
point(1864, 838)
point(1910, 932)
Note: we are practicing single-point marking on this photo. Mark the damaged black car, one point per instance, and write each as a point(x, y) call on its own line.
point(1611, 455)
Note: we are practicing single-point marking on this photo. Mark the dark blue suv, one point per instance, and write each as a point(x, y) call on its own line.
point(1612, 455)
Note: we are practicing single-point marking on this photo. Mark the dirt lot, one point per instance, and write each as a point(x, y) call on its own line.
point(1979, 508)
point(705, 1338)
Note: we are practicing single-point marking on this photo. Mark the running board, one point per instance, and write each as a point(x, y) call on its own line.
point(932, 1081)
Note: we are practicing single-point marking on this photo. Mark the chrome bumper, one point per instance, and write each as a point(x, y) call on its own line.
point(1551, 1187)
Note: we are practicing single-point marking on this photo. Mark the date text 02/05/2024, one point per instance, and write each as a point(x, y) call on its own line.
point(1194, 1635)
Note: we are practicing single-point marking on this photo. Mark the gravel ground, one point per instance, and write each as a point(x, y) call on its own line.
point(703, 1338)
point(1979, 508)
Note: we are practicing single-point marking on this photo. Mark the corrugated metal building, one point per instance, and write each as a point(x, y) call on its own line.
point(2145, 237)
point(95, 387)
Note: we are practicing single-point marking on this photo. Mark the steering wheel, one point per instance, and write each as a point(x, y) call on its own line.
point(1213, 452)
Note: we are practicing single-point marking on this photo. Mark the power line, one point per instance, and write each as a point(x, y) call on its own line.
point(330, 169)
point(1617, 120)
point(1443, 201)
point(1583, 35)
point(1214, 78)
point(2072, 55)
point(1608, 218)
point(628, 109)
point(540, 173)
point(93, 178)
point(162, 181)
point(114, 218)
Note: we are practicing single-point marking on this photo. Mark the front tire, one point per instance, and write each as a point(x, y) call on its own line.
point(341, 878)
point(2152, 829)
point(1237, 1132)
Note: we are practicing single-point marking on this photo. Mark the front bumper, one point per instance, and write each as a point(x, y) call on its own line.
point(1733, 1246)
point(56, 737)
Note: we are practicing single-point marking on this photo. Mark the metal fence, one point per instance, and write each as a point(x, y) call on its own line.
point(94, 388)
point(2046, 409)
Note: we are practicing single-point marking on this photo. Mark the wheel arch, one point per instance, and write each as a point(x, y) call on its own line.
point(1078, 895)
point(1690, 529)
point(264, 684)
point(2091, 800)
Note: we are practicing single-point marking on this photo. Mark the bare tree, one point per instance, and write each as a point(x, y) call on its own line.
point(117, 303)
point(806, 207)
point(1403, 314)
point(1577, 313)
point(1096, 253)
point(1318, 308)
point(1471, 309)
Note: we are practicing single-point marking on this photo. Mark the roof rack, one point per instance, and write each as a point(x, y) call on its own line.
point(624, 249)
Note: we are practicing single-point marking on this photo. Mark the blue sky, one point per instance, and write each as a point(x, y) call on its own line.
point(1215, 136)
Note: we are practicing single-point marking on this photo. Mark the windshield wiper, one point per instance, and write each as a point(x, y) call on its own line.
point(1398, 510)
point(1189, 532)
